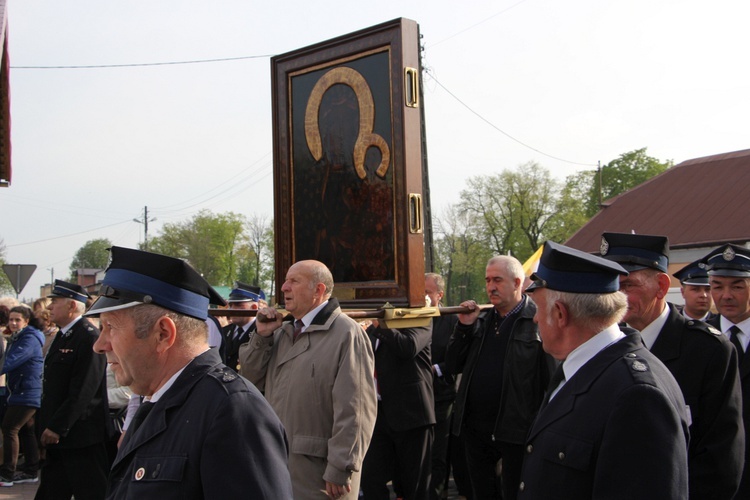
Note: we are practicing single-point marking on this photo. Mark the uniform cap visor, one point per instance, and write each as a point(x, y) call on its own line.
point(109, 304)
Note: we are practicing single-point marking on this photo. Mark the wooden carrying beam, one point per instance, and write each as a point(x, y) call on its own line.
point(392, 317)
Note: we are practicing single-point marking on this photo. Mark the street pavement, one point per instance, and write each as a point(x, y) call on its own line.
point(27, 491)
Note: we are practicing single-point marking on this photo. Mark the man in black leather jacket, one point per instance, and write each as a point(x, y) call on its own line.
point(505, 372)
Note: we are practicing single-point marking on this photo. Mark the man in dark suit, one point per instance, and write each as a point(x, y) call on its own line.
point(443, 385)
point(240, 328)
point(729, 276)
point(696, 292)
point(702, 361)
point(504, 373)
point(613, 423)
point(401, 444)
point(74, 411)
point(200, 423)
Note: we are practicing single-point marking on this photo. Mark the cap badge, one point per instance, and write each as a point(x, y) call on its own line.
point(604, 248)
point(702, 265)
point(729, 254)
point(639, 367)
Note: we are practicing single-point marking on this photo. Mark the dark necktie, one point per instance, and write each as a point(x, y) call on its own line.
point(557, 377)
point(140, 416)
point(298, 326)
point(735, 339)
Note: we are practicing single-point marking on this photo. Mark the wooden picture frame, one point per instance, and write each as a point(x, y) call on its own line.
point(348, 164)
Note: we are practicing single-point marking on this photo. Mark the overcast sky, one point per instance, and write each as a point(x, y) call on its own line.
point(574, 82)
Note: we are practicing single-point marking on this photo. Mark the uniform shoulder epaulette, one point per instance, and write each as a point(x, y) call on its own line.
point(635, 363)
point(703, 327)
point(224, 374)
point(638, 368)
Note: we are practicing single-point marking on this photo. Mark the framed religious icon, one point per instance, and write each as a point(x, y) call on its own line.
point(348, 163)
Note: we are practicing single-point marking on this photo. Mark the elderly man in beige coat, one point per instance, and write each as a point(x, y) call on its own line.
point(316, 369)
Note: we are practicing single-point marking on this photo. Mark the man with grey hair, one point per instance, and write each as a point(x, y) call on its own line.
point(613, 423)
point(200, 423)
point(316, 367)
point(74, 411)
point(505, 371)
point(702, 361)
point(444, 389)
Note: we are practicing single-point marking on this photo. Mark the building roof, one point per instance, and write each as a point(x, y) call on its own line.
point(697, 203)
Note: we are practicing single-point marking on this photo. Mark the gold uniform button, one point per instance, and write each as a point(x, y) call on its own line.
point(529, 448)
point(561, 455)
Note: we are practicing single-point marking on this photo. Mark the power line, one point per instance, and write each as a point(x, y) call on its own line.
point(135, 65)
point(504, 132)
point(476, 24)
point(173, 207)
point(67, 235)
point(238, 58)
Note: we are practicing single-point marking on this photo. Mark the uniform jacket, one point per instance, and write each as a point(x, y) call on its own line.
point(444, 386)
point(404, 373)
point(232, 346)
point(211, 435)
point(680, 308)
point(617, 430)
point(23, 365)
point(704, 363)
point(525, 374)
point(744, 369)
point(322, 389)
point(74, 389)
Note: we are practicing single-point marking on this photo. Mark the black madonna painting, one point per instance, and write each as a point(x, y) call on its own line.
point(347, 163)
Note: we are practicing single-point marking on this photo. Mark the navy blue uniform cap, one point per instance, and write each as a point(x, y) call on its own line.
point(694, 273)
point(728, 260)
point(636, 251)
point(69, 291)
point(566, 269)
point(242, 292)
point(136, 277)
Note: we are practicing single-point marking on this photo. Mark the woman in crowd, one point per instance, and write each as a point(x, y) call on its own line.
point(23, 366)
point(47, 327)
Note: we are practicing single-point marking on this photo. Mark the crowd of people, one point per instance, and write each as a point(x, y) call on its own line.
point(580, 381)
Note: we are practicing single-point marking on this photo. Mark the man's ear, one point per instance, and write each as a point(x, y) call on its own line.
point(664, 282)
point(166, 333)
point(560, 314)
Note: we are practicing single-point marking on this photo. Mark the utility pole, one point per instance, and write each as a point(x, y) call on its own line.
point(599, 175)
point(145, 222)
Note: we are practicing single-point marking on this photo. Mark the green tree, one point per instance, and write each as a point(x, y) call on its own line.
point(5, 286)
point(257, 267)
point(94, 254)
point(210, 242)
point(570, 215)
point(460, 255)
point(621, 174)
point(517, 209)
